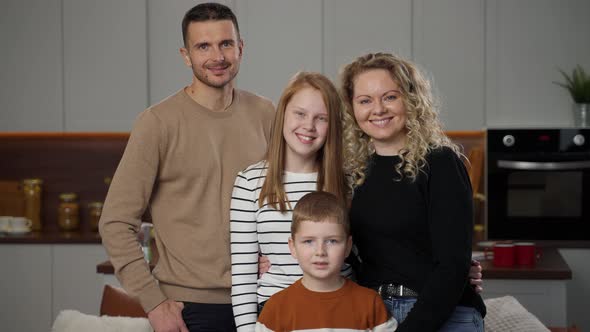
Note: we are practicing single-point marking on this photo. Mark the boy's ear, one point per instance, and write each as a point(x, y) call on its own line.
point(292, 248)
point(348, 245)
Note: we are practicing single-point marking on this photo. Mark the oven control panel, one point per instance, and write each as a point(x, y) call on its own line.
point(538, 140)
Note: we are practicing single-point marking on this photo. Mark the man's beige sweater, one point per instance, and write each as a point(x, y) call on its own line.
point(180, 163)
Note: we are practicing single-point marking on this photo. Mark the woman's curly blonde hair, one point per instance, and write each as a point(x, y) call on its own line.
point(423, 128)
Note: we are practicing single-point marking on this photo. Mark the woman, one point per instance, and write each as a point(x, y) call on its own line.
point(304, 155)
point(411, 212)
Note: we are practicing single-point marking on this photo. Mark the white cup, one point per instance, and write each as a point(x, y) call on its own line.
point(5, 223)
point(19, 224)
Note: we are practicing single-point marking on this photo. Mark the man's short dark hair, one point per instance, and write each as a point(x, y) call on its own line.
point(210, 11)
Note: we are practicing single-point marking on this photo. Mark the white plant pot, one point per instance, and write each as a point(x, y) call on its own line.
point(581, 115)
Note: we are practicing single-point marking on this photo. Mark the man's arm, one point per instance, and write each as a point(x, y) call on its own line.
point(128, 197)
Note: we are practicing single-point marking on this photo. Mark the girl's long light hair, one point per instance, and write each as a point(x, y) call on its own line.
point(423, 128)
point(329, 157)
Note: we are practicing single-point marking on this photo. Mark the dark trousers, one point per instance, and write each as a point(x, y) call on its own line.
point(260, 307)
point(208, 317)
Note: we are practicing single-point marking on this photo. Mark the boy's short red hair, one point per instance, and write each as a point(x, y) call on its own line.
point(319, 206)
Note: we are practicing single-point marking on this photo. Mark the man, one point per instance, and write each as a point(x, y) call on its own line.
point(180, 163)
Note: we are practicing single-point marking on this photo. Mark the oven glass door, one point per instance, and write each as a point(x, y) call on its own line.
point(543, 200)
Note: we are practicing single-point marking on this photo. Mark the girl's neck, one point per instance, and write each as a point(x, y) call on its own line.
point(296, 165)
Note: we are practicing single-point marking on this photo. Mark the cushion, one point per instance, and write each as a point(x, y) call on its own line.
point(75, 321)
point(506, 314)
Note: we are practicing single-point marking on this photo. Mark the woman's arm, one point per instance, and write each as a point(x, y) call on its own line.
point(449, 204)
point(244, 253)
point(475, 276)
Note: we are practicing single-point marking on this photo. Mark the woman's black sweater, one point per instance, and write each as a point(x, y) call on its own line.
point(417, 234)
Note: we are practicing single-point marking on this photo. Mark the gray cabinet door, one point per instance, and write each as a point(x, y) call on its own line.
point(76, 285)
point(31, 82)
point(449, 44)
point(281, 38)
point(105, 59)
point(353, 28)
point(526, 42)
point(25, 285)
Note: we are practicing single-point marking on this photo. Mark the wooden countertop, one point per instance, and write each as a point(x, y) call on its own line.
point(551, 266)
point(51, 238)
point(107, 268)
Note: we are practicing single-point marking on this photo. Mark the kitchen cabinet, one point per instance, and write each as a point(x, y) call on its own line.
point(546, 299)
point(448, 41)
point(26, 287)
point(526, 42)
point(105, 64)
point(578, 288)
point(281, 38)
point(31, 80)
point(352, 28)
point(40, 280)
point(542, 289)
point(66, 67)
point(75, 282)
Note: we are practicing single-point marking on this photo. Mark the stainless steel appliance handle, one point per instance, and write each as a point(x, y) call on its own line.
point(543, 166)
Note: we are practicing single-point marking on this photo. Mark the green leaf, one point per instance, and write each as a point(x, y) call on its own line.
point(578, 84)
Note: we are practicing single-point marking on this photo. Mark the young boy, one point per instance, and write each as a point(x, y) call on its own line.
point(323, 299)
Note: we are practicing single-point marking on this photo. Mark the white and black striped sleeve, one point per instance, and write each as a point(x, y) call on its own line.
point(244, 252)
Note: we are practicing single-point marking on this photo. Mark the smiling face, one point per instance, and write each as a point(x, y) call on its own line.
point(213, 51)
point(379, 110)
point(320, 247)
point(305, 128)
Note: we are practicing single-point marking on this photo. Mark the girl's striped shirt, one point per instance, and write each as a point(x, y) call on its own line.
point(263, 230)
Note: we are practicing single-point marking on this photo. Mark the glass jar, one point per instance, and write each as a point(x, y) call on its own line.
point(32, 194)
point(94, 212)
point(68, 212)
point(478, 233)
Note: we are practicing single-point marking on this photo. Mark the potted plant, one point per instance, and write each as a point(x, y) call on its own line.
point(578, 85)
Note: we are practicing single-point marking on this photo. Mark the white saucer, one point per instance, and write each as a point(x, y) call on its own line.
point(486, 244)
point(18, 231)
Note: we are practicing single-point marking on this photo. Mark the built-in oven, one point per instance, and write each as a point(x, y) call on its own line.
point(538, 184)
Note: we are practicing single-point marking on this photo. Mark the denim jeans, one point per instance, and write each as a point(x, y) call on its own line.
point(463, 319)
point(208, 317)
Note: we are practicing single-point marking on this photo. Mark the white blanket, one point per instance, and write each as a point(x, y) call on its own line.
point(75, 321)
